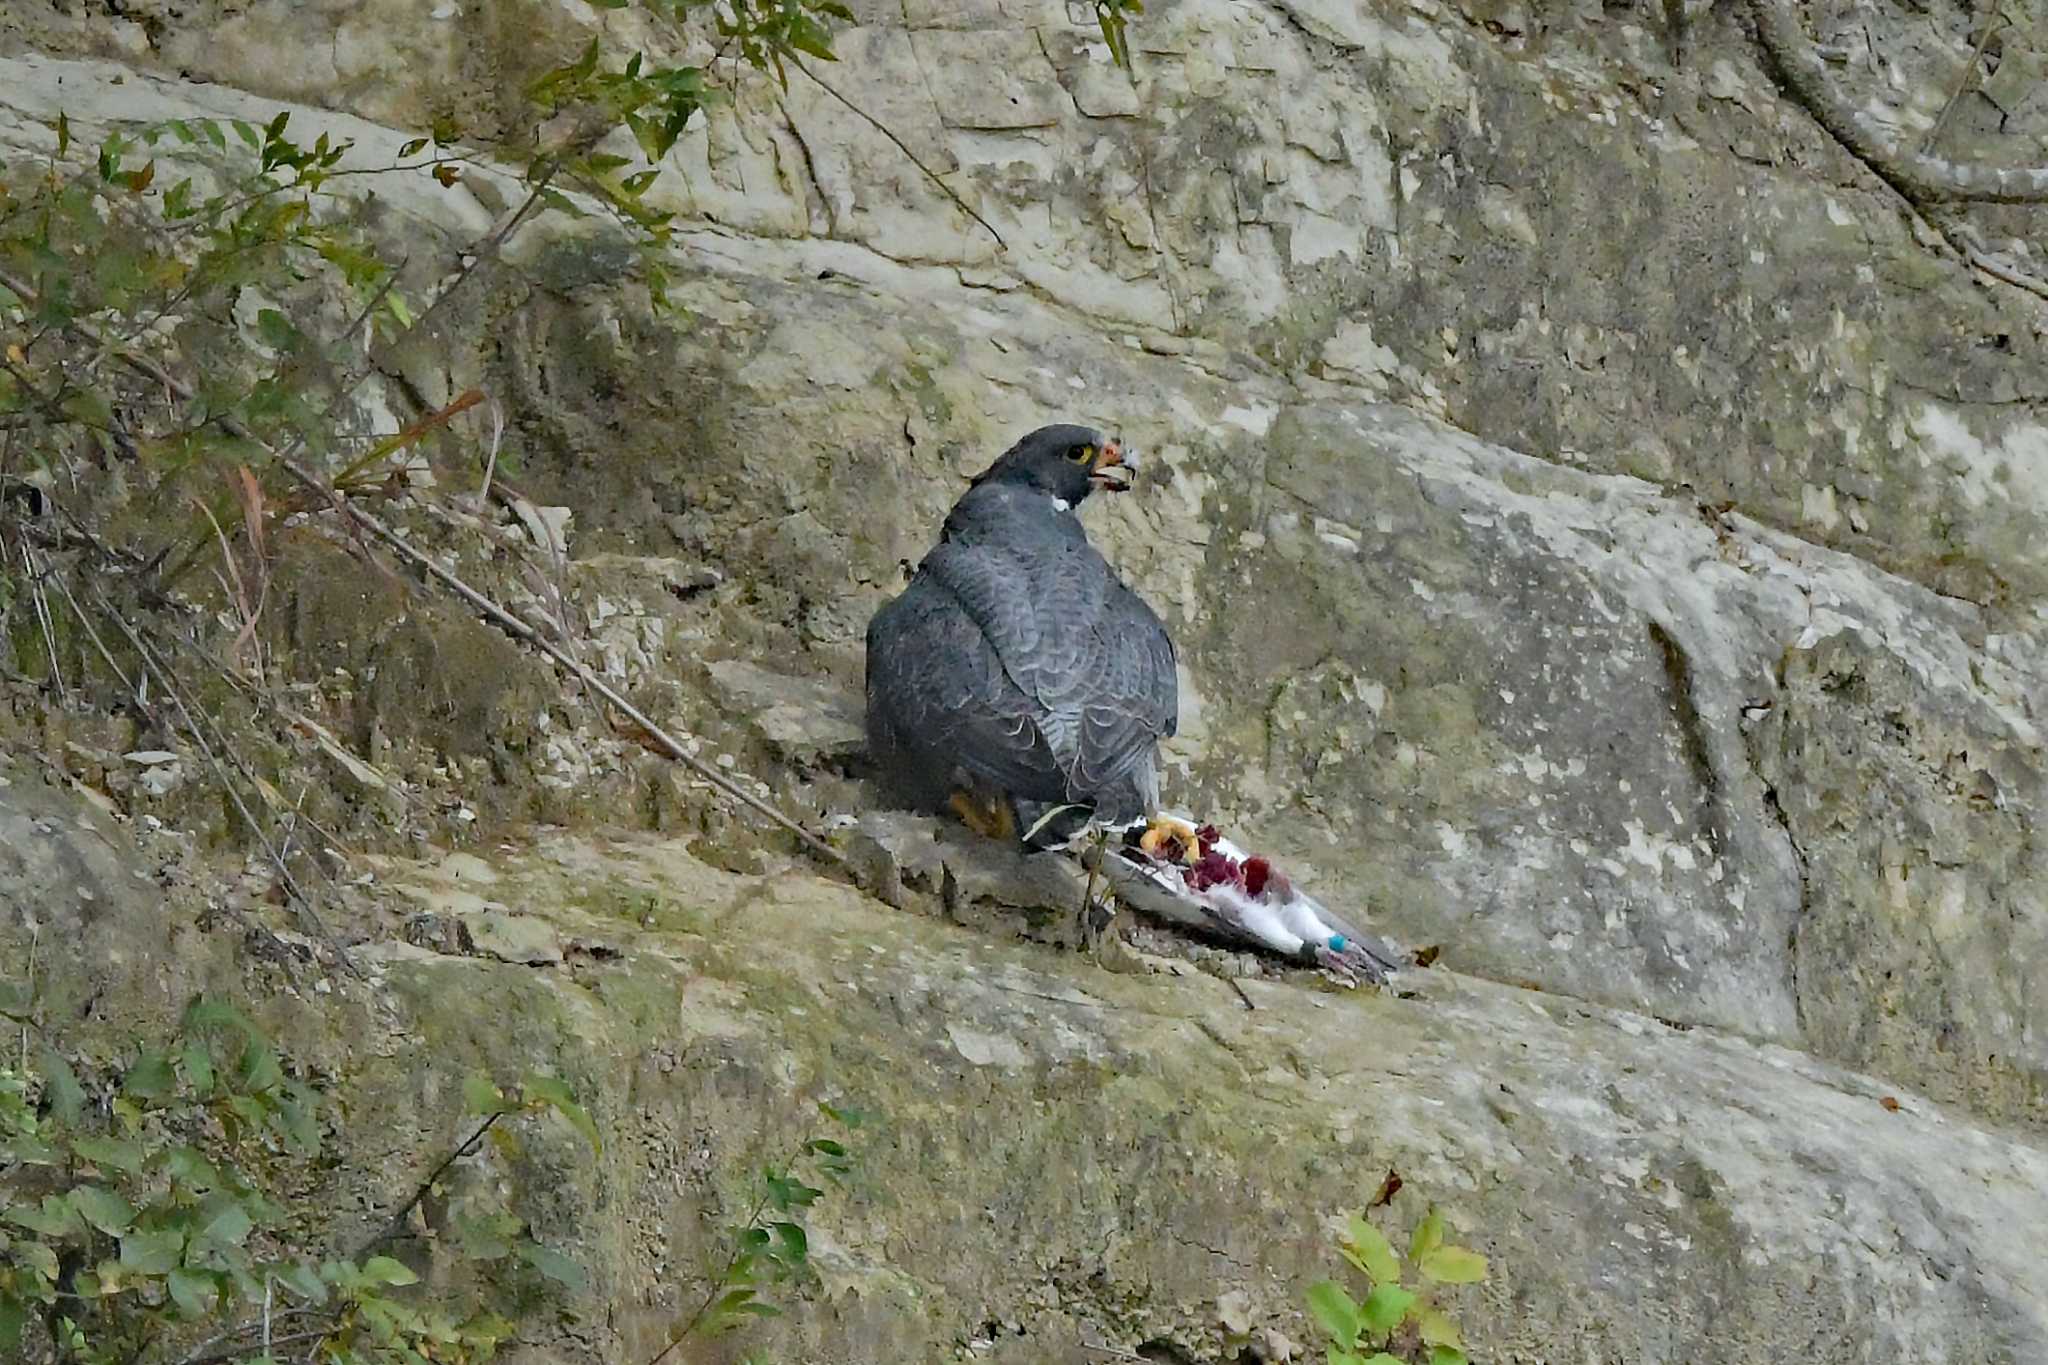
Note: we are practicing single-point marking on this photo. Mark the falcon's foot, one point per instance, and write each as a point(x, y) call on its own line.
point(992, 819)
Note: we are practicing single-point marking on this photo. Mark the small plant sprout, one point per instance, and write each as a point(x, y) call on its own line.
point(1399, 1321)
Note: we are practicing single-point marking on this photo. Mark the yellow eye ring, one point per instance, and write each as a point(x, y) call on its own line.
point(1083, 454)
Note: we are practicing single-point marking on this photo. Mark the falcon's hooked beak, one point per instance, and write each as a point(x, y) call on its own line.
point(1115, 468)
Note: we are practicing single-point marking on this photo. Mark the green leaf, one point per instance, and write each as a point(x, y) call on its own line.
point(1383, 1358)
point(119, 1153)
point(66, 1095)
point(480, 1096)
point(1453, 1265)
point(1384, 1308)
point(199, 1067)
point(189, 1167)
point(250, 1109)
point(794, 1245)
point(553, 1264)
point(194, 1291)
point(724, 1315)
point(276, 329)
point(811, 38)
point(1447, 1355)
point(1428, 1236)
point(152, 1253)
point(150, 1078)
point(13, 1315)
point(384, 1270)
point(229, 1227)
point(606, 4)
point(556, 1095)
point(786, 1193)
point(1366, 1247)
point(103, 1208)
point(1437, 1329)
point(303, 1280)
point(1333, 1309)
point(39, 1258)
point(1339, 1355)
point(486, 1238)
point(259, 1066)
point(63, 134)
point(53, 1217)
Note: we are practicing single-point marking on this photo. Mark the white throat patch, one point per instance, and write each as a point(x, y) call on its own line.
point(1062, 505)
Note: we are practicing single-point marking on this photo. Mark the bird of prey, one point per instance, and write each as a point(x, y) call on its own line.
point(1017, 681)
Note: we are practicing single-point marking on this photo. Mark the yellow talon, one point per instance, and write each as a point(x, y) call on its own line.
point(990, 819)
point(1168, 839)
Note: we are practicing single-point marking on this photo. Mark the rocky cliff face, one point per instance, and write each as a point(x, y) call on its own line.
point(1604, 537)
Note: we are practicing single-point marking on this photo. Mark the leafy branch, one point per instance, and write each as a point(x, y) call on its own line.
point(770, 1246)
point(1396, 1323)
point(133, 1214)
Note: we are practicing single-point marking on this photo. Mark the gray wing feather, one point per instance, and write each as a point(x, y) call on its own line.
point(1135, 702)
point(938, 697)
point(1028, 663)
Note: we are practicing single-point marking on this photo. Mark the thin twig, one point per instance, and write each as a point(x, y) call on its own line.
point(902, 147)
point(234, 587)
point(205, 1350)
point(222, 1357)
point(1994, 24)
point(484, 605)
point(396, 1223)
point(42, 605)
point(483, 250)
point(248, 688)
point(483, 494)
point(409, 435)
point(520, 630)
point(2012, 275)
point(679, 1335)
point(154, 663)
point(35, 941)
point(1919, 178)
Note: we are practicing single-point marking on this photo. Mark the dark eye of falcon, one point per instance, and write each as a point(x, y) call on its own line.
point(1081, 454)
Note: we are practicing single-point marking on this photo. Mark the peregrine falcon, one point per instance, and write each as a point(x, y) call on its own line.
point(1016, 675)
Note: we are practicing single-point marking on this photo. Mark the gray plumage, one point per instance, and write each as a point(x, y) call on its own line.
point(1016, 666)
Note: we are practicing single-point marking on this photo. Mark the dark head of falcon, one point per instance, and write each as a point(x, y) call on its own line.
point(1016, 681)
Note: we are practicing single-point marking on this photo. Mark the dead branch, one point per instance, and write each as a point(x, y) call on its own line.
point(153, 663)
point(886, 131)
point(490, 610)
point(1992, 27)
point(1921, 178)
point(138, 691)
